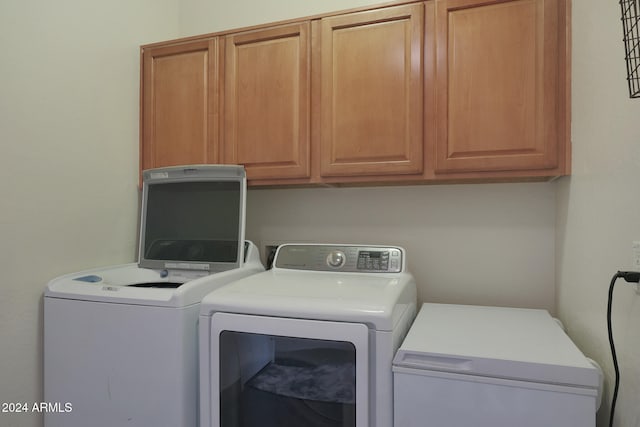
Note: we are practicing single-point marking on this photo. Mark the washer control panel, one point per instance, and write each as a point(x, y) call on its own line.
point(343, 258)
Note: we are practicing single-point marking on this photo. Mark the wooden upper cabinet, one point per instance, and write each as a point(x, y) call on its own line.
point(434, 90)
point(499, 102)
point(179, 104)
point(371, 92)
point(267, 101)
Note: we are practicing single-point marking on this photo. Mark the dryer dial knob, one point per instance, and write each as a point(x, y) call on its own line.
point(336, 259)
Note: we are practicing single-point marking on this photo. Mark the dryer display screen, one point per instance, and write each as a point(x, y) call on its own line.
point(373, 260)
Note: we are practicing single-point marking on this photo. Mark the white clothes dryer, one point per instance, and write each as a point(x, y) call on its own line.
point(120, 343)
point(309, 342)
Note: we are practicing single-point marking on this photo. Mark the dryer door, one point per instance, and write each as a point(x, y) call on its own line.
point(280, 372)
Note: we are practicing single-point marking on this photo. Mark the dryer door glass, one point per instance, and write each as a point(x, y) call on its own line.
point(292, 379)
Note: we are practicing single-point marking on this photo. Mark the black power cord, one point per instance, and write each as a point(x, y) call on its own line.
point(631, 277)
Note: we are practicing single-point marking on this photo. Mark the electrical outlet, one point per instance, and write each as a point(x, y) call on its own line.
point(270, 253)
point(636, 255)
point(635, 260)
point(269, 250)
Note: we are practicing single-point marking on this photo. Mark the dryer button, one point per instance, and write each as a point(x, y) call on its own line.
point(336, 259)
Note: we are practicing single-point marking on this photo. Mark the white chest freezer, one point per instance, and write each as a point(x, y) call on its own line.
point(489, 366)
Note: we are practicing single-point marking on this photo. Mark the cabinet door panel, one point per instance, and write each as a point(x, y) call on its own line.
point(179, 105)
point(267, 102)
point(497, 80)
point(371, 92)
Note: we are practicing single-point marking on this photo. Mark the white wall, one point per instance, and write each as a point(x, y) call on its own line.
point(599, 205)
point(69, 79)
point(206, 16)
point(487, 244)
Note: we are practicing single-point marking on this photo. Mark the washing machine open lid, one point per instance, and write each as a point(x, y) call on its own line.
point(495, 342)
point(191, 242)
point(193, 218)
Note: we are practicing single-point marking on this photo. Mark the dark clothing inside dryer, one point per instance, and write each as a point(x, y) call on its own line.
point(311, 389)
point(273, 410)
point(332, 383)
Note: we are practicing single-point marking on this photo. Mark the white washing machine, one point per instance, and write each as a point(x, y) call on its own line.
point(120, 343)
point(479, 366)
point(308, 343)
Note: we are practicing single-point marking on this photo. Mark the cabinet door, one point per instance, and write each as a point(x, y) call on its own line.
point(497, 85)
point(179, 104)
point(371, 92)
point(266, 102)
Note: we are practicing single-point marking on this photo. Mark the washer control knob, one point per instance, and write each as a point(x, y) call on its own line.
point(336, 259)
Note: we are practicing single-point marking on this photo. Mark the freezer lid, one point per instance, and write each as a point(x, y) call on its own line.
point(498, 342)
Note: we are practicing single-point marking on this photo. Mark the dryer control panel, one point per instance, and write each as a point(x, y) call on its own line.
point(343, 258)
